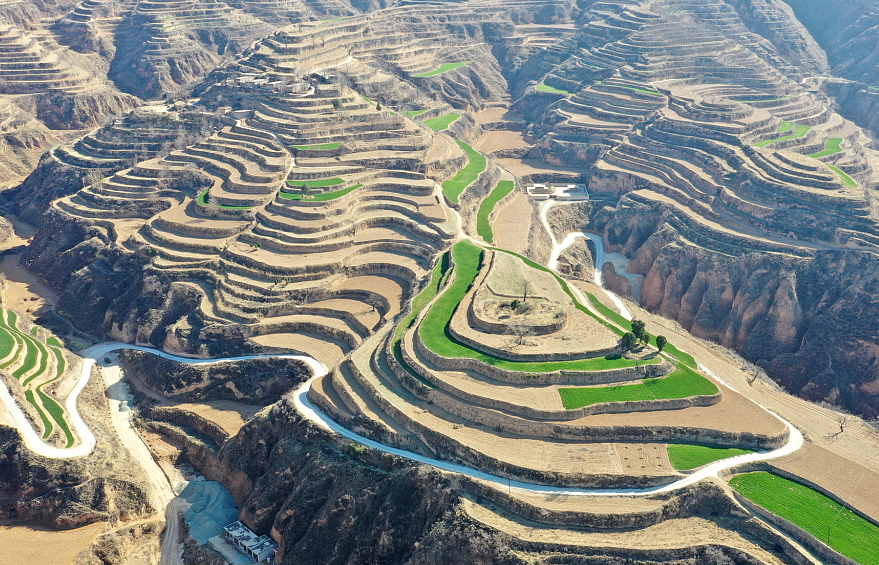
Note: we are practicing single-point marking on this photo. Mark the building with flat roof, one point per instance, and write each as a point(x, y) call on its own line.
point(260, 548)
point(564, 191)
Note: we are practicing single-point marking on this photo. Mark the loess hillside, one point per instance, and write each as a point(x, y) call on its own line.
point(347, 181)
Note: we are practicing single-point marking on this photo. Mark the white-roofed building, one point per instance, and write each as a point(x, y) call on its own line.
point(260, 548)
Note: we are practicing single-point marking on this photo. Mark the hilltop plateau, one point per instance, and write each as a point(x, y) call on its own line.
point(414, 282)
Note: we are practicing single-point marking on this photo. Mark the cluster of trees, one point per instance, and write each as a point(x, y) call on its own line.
point(639, 334)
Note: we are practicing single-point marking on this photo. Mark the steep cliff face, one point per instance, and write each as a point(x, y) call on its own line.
point(775, 21)
point(848, 32)
point(811, 322)
point(331, 504)
point(105, 486)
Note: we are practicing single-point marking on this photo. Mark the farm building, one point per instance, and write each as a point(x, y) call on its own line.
point(260, 548)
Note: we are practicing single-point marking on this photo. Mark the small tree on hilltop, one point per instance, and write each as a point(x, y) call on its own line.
point(660, 342)
point(628, 341)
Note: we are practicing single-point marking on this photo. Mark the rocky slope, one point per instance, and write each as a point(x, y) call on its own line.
point(847, 32)
point(106, 486)
point(811, 321)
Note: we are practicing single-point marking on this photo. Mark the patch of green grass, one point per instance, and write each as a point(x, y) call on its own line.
point(60, 362)
point(43, 356)
point(203, 200)
point(326, 196)
point(486, 207)
point(635, 88)
point(801, 132)
point(681, 383)
point(54, 341)
point(551, 89)
point(847, 181)
point(791, 97)
point(316, 183)
point(47, 425)
point(785, 126)
point(319, 146)
point(685, 457)
point(444, 68)
point(418, 304)
point(413, 113)
point(837, 526)
point(607, 311)
point(34, 331)
point(454, 187)
point(30, 358)
point(434, 328)
point(7, 343)
point(831, 147)
point(442, 122)
point(57, 414)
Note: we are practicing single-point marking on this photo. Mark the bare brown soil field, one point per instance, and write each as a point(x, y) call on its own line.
point(25, 544)
point(227, 414)
point(523, 167)
point(842, 477)
point(24, 292)
point(325, 351)
point(512, 224)
point(596, 504)
point(495, 114)
point(670, 534)
point(501, 139)
point(734, 413)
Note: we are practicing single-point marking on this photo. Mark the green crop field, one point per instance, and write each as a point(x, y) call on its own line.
point(442, 122)
point(319, 146)
point(847, 181)
point(486, 207)
point(418, 304)
point(444, 68)
point(819, 515)
point(435, 335)
point(47, 425)
point(454, 187)
point(783, 98)
point(801, 132)
point(785, 126)
point(36, 355)
point(7, 343)
point(551, 89)
point(683, 382)
point(324, 197)
point(635, 88)
point(43, 356)
point(685, 457)
point(316, 183)
point(831, 147)
point(413, 113)
point(30, 357)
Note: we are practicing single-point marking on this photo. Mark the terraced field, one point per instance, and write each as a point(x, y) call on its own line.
point(35, 363)
point(320, 194)
point(821, 516)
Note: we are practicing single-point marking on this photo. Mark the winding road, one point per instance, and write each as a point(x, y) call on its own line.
point(597, 242)
point(104, 355)
point(100, 353)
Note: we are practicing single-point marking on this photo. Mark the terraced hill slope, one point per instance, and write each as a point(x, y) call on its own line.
point(345, 181)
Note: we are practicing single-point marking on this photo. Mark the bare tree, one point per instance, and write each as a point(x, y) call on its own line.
point(522, 333)
point(526, 287)
point(842, 421)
